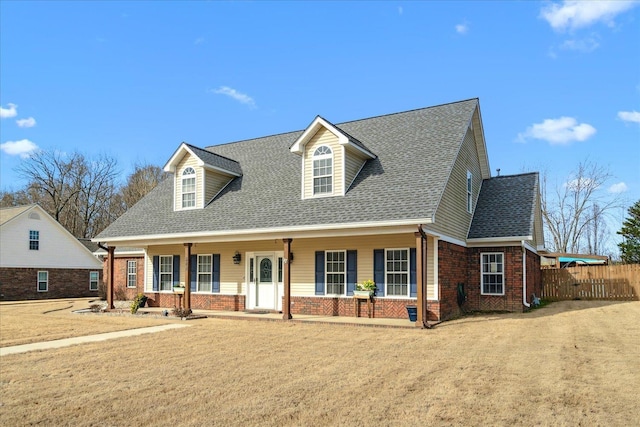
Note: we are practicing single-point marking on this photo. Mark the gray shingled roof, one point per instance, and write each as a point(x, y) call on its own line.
point(216, 160)
point(506, 207)
point(416, 151)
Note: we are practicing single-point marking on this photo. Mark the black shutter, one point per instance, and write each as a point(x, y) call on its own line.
point(352, 268)
point(378, 271)
point(319, 272)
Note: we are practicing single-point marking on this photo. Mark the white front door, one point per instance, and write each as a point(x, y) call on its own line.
point(265, 282)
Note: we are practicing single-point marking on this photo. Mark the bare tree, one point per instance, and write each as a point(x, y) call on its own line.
point(574, 211)
point(75, 190)
point(51, 176)
point(81, 193)
point(143, 179)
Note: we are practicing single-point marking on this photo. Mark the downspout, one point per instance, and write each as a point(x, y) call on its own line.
point(524, 275)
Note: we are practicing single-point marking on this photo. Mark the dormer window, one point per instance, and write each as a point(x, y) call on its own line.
point(322, 171)
point(188, 188)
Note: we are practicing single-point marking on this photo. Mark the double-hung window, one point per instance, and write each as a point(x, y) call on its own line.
point(132, 273)
point(492, 271)
point(205, 264)
point(335, 272)
point(322, 170)
point(43, 281)
point(166, 272)
point(34, 240)
point(397, 272)
point(188, 188)
point(94, 277)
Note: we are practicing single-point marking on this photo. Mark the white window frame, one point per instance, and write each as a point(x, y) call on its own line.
point(493, 270)
point(34, 240)
point(132, 273)
point(188, 175)
point(200, 273)
point(45, 281)
point(406, 273)
point(322, 154)
point(96, 281)
point(343, 272)
point(166, 274)
point(469, 192)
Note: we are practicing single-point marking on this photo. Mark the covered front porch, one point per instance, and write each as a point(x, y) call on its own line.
point(292, 276)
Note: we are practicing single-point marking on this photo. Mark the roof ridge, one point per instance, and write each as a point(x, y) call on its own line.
point(211, 152)
point(345, 122)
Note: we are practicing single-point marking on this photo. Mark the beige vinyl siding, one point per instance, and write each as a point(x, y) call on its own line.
point(323, 137)
point(353, 163)
point(182, 165)
point(214, 182)
point(452, 218)
point(232, 276)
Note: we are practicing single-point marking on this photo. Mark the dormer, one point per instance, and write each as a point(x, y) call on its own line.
point(199, 176)
point(331, 159)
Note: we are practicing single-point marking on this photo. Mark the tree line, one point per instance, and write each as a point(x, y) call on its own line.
point(82, 193)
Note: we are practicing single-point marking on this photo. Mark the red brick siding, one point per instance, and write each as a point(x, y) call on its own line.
point(22, 283)
point(453, 265)
point(534, 276)
point(198, 301)
point(512, 298)
point(335, 306)
point(120, 277)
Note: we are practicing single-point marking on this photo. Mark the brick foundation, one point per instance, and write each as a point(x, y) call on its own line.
point(198, 301)
point(22, 283)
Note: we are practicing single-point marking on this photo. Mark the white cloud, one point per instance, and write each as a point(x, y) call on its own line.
point(400, 10)
point(629, 116)
point(26, 123)
point(586, 45)
point(558, 131)
point(620, 187)
point(8, 112)
point(577, 184)
point(21, 148)
point(232, 93)
point(462, 28)
point(574, 14)
point(199, 40)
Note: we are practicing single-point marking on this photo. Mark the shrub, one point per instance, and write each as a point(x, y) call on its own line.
point(181, 312)
point(120, 294)
point(138, 302)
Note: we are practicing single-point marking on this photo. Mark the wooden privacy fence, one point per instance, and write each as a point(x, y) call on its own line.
point(602, 282)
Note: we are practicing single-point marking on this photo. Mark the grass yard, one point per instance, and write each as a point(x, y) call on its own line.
point(569, 363)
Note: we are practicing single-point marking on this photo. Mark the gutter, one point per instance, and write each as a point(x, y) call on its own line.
point(524, 276)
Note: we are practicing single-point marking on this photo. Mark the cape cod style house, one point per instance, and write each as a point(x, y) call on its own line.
point(40, 259)
point(292, 222)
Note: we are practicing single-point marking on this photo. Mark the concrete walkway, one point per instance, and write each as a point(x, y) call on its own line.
point(45, 345)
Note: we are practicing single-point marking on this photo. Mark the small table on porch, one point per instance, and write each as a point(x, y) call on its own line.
point(356, 304)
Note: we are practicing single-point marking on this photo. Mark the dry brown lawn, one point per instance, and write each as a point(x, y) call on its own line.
point(570, 363)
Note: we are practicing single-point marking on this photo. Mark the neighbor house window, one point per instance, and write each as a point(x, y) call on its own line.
point(205, 264)
point(397, 272)
point(492, 270)
point(335, 272)
point(322, 170)
point(34, 240)
point(166, 272)
point(43, 281)
point(132, 273)
point(469, 188)
point(94, 276)
point(189, 188)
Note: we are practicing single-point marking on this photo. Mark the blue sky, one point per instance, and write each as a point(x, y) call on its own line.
point(558, 82)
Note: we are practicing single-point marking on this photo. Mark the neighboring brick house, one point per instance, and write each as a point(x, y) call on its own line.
point(40, 259)
point(128, 271)
point(291, 222)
